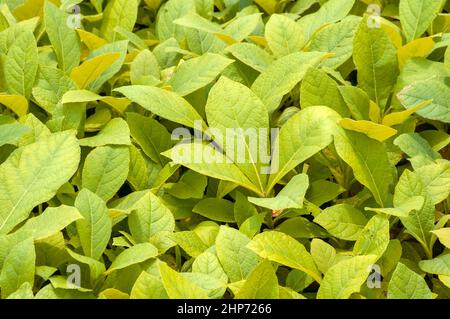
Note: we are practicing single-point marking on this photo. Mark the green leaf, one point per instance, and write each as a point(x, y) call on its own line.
point(163, 103)
point(318, 88)
point(116, 132)
point(21, 65)
point(38, 130)
point(283, 75)
point(208, 263)
point(51, 221)
point(297, 280)
point(322, 191)
point(283, 35)
point(414, 145)
point(342, 221)
point(375, 58)
point(208, 160)
point(80, 96)
point(48, 292)
point(18, 267)
point(251, 55)
point(281, 248)
point(243, 110)
point(402, 210)
point(191, 243)
point(28, 178)
point(391, 257)
point(262, 283)
point(11, 133)
point(63, 38)
point(196, 73)
point(357, 101)
point(179, 287)
point(24, 292)
point(132, 256)
point(150, 135)
point(144, 68)
point(439, 265)
point(300, 227)
point(224, 149)
point(243, 209)
point(291, 196)
point(243, 26)
point(323, 254)
point(303, 135)
point(406, 284)
point(252, 225)
point(121, 13)
point(96, 227)
point(148, 286)
point(369, 161)
point(419, 223)
point(416, 16)
point(105, 170)
point(96, 268)
point(236, 259)
point(168, 13)
point(422, 91)
point(135, 40)
point(149, 216)
point(216, 209)
point(213, 287)
point(195, 21)
point(190, 185)
point(436, 180)
point(337, 39)
point(51, 85)
point(143, 171)
point(268, 5)
point(346, 277)
point(374, 238)
point(331, 11)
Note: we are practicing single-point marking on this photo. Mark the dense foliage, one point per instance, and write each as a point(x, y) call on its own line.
point(120, 122)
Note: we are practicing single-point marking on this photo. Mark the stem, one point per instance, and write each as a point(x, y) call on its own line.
point(427, 250)
point(178, 257)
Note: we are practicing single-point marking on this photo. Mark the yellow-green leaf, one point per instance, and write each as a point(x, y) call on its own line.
point(397, 118)
point(376, 131)
point(17, 103)
point(90, 70)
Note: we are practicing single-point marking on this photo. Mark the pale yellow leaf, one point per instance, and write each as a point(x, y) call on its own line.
point(91, 69)
point(376, 131)
point(91, 40)
point(417, 48)
point(17, 103)
point(399, 117)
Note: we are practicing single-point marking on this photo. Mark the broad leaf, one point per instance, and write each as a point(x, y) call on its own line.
point(285, 250)
point(28, 177)
point(346, 277)
point(95, 228)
